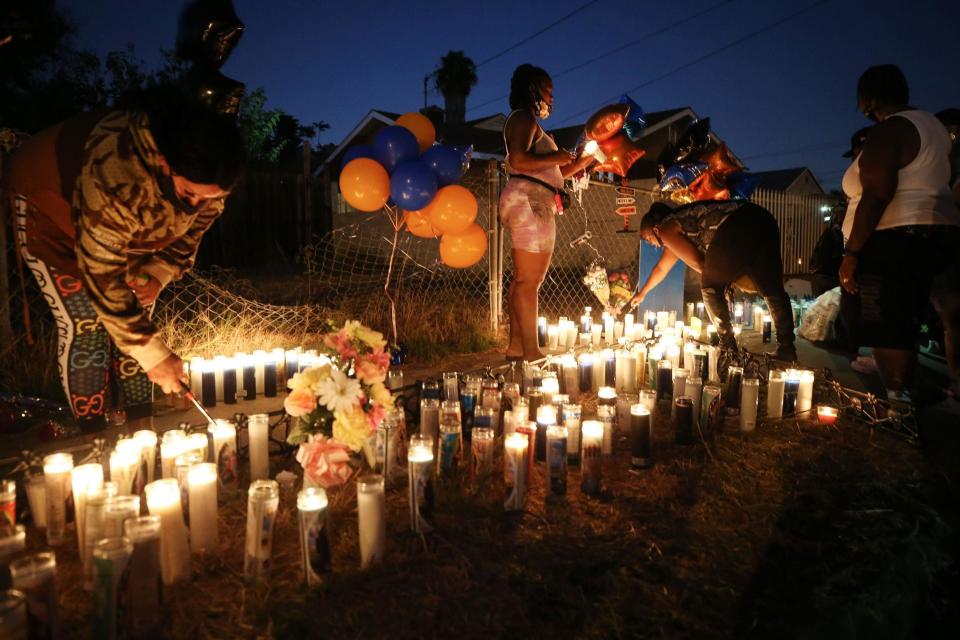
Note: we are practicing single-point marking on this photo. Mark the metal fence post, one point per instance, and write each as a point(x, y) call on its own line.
point(495, 246)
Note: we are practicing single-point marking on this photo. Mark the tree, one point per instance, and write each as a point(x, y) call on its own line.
point(258, 127)
point(455, 77)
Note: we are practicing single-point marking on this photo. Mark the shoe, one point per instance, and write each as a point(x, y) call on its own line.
point(866, 365)
point(785, 352)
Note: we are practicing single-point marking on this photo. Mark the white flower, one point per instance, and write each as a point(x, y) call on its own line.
point(338, 392)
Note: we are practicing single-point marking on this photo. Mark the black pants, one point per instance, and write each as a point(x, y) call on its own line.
point(747, 244)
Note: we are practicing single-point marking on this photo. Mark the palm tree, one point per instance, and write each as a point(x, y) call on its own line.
point(454, 78)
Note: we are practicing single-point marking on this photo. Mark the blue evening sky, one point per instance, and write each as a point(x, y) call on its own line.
point(782, 98)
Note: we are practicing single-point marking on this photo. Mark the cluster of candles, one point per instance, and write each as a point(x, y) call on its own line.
point(137, 517)
point(244, 376)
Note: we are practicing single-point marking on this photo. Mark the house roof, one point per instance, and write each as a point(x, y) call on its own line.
point(781, 179)
point(485, 134)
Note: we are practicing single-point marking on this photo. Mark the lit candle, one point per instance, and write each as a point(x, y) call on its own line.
point(609, 368)
point(35, 576)
point(664, 380)
point(673, 355)
point(94, 517)
point(549, 386)
point(116, 511)
point(617, 331)
point(713, 360)
point(571, 334)
point(663, 320)
point(430, 419)
point(143, 607)
point(258, 430)
point(738, 313)
point(683, 419)
point(775, 394)
point(553, 337)
point(546, 417)
point(591, 452)
point(608, 329)
point(626, 374)
point(204, 531)
point(731, 397)
point(291, 359)
point(37, 498)
point(805, 392)
point(263, 498)
point(607, 415)
point(450, 439)
point(56, 471)
point(314, 542)
point(229, 374)
point(219, 364)
point(148, 451)
point(757, 318)
point(570, 416)
point(199, 444)
point(586, 323)
point(196, 376)
point(451, 386)
point(271, 365)
point(208, 384)
point(371, 518)
point(124, 462)
point(542, 331)
point(259, 364)
point(172, 444)
point(693, 388)
point(648, 398)
point(640, 352)
point(624, 402)
point(680, 382)
point(571, 383)
point(556, 460)
point(749, 398)
point(515, 471)
point(225, 453)
point(586, 372)
point(826, 414)
point(529, 429)
point(585, 339)
point(640, 437)
point(481, 453)
point(420, 479)
point(791, 388)
point(84, 479)
point(599, 372)
point(163, 500)
point(111, 557)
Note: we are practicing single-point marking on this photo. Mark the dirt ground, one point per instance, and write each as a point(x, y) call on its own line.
point(794, 530)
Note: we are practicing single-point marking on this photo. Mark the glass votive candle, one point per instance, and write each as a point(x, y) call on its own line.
point(826, 414)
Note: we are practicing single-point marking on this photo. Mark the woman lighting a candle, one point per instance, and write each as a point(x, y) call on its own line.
point(723, 242)
point(536, 168)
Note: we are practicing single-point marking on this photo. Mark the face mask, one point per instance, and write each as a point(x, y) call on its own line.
point(169, 191)
point(543, 109)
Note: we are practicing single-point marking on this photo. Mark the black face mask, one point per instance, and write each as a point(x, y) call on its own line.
point(169, 191)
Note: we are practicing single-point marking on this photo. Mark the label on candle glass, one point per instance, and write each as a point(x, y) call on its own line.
point(557, 464)
point(316, 544)
point(449, 451)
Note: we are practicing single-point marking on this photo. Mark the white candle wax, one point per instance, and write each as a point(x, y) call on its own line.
point(617, 331)
point(124, 463)
point(693, 387)
point(196, 375)
point(163, 500)
point(57, 468)
point(571, 380)
point(774, 393)
point(258, 428)
point(148, 450)
point(171, 446)
point(371, 519)
point(515, 471)
point(595, 331)
point(199, 444)
point(749, 397)
point(571, 334)
point(259, 362)
point(598, 370)
point(553, 337)
point(805, 394)
point(85, 478)
point(713, 354)
point(204, 528)
point(219, 364)
point(608, 330)
point(592, 437)
point(225, 453)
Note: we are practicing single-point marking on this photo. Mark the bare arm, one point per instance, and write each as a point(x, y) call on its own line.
point(680, 246)
point(659, 272)
point(578, 165)
point(520, 132)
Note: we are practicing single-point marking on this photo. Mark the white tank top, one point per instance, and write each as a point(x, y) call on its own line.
point(923, 191)
point(543, 144)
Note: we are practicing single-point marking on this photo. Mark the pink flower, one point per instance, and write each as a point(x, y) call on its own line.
point(342, 343)
point(300, 402)
point(326, 461)
point(375, 415)
point(379, 357)
point(369, 371)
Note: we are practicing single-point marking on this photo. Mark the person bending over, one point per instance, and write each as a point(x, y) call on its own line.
point(109, 207)
point(723, 241)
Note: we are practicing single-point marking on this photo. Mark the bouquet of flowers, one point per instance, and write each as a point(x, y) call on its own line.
point(621, 290)
point(596, 280)
point(337, 406)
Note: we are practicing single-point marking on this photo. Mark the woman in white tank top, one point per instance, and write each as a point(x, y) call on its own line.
point(536, 170)
point(902, 228)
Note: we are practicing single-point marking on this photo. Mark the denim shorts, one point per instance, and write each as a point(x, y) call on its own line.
point(528, 211)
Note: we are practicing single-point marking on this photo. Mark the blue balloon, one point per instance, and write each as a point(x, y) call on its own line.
point(741, 185)
point(680, 176)
point(636, 114)
point(413, 185)
point(466, 155)
point(445, 162)
point(393, 146)
point(357, 151)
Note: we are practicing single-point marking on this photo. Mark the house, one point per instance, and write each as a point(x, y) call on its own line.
point(798, 181)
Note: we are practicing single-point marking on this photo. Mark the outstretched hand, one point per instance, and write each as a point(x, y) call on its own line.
point(637, 299)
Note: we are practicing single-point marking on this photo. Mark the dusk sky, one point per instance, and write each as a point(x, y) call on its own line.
point(781, 98)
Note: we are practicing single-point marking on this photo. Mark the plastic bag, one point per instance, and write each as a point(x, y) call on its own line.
point(818, 319)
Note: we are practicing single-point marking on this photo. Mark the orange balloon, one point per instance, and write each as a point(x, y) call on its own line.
point(621, 153)
point(452, 210)
point(419, 224)
point(365, 184)
point(606, 122)
point(462, 250)
point(421, 127)
point(719, 160)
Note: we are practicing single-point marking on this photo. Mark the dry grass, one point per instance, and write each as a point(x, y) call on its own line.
point(793, 530)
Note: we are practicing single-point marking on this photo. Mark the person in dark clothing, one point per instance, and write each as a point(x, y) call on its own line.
point(826, 257)
point(724, 241)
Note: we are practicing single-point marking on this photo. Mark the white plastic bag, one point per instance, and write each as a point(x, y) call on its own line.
point(818, 320)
